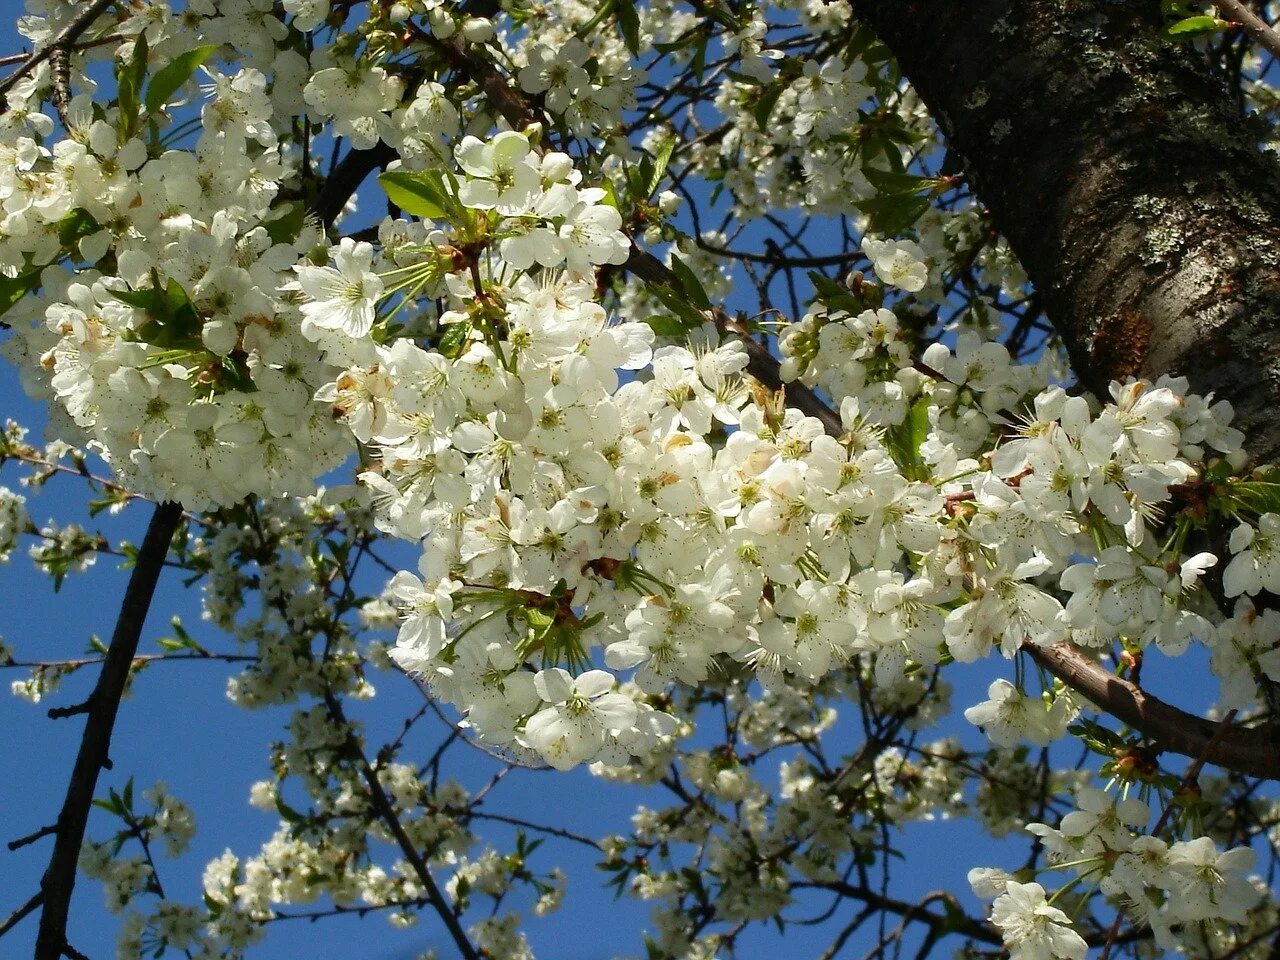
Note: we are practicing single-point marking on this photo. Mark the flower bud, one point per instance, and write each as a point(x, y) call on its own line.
point(478, 30)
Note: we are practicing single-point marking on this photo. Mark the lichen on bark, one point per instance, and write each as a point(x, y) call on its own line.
point(1134, 193)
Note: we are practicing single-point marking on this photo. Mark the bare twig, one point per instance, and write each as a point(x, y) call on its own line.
point(17, 916)
point(141, 660)
point(1252, 24)
point(33, 837)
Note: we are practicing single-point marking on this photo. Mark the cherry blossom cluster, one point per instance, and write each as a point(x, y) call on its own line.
point(1167, 885)
point(618, 511)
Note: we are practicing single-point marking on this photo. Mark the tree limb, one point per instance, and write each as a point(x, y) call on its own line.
point(62, 41)
point(21, 913)
point(60, 877)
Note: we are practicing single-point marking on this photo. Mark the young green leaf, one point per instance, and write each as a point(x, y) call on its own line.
point(690, 283)
point(170, 78)
point(661, 160)
point(628, 23)
point(13, 289)
point(768, 100)
point(1192, 27)
point(129, 79)
point(419, 194)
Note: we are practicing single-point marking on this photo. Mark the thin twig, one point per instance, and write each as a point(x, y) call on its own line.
point(387, 813)
point(1253, 24)
point(33, 837)
point(17, 916)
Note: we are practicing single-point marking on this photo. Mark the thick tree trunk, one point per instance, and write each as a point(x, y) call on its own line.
point(1126, 181)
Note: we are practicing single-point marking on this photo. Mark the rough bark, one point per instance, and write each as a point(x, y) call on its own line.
point(1125, 179)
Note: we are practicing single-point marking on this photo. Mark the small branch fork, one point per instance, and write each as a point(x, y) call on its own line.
point(59, 45)
point(387, 813)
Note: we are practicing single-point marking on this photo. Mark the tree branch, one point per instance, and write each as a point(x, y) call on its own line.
point(18, 915)
point(387, 812)
point(955, 921)
point(59, 879)
point(1253, 24)
point(345, 179)
point(62, 41)
point(1253, 751)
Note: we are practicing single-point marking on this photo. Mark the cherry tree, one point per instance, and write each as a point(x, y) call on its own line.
point(700, 385)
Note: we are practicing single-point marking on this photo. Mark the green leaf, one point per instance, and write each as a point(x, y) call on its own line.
point(833, 294)
point(744, 79)
point(1192, 27)
point(677, 304)
point(419, 194)
point(690, 283)
point(172, 321)
point(610, 195)
point(1096, 737)
point(129, 78)
point(905, 439)
point(13, 289)
point(170, 78)
point(660, 163)
point(628, 23)
point(768, 100)
point(893, 215)
point(454, 339)
point(894, 182)
point(698, 65)
point(1252, 496)
point(638, 177)
point(235, 375)
point(286, 227)
point(74, 227)
point(665, 325)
